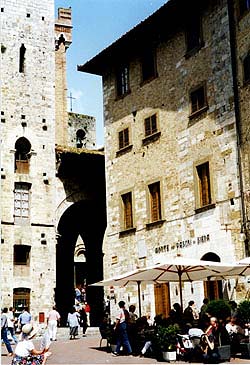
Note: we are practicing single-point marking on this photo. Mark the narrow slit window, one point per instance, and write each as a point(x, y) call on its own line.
point(204, 186)
point(22, 58)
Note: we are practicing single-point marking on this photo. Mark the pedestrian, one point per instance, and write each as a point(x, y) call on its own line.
point(4, 331)
point(11, 324)
point(73, 323)
point(121, 328)
point(24, 318)
point(53, 320)
point(78, 295)
point(25, 352)
point(87, 311)
point(83, 321)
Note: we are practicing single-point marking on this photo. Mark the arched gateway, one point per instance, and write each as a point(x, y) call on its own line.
point(80, 230)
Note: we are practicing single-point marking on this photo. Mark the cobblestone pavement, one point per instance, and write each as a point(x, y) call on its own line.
point(87, 350)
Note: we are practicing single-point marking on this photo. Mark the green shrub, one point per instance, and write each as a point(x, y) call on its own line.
point(166, 337)
point(219, 309)
point(243, 311)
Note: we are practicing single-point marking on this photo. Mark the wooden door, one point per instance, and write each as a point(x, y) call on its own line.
point(162, 299)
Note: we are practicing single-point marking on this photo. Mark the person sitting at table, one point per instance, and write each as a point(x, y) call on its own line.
point(236, 334)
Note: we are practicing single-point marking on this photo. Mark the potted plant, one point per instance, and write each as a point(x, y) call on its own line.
point(166, 339)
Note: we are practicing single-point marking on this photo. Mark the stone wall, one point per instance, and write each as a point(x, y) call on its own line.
point(28, 110)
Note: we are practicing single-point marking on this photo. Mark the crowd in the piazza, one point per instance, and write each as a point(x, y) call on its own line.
point(195, 334)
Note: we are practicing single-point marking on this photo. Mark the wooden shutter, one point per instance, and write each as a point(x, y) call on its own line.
point(155, 201)
point(162, 299)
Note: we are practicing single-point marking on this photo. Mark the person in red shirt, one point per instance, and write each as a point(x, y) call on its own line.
point(87, 311)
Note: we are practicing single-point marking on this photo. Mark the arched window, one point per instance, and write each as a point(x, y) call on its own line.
point(212, 288)
point(80, 135)
point(23, 148)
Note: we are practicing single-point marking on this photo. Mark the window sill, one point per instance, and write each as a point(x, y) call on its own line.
point(158, 223)
point(198, 112)
point(144, 82)
point(122, 96)
point(124, 150)
point(193, 51)
point(205, 208)
point(151, 138)
point(127, 232)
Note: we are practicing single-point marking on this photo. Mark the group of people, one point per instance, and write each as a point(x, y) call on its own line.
point(136, 336)
point(22, 325)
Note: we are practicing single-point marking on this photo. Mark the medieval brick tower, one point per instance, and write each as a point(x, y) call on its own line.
point(28, 153)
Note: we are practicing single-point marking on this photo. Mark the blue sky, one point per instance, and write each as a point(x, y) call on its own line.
point(97, 24)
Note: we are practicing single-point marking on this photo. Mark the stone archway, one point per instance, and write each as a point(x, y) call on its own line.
point(81, 215)
point(83, 219)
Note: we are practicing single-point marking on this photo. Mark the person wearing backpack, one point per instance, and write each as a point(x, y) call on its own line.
point(121, 330)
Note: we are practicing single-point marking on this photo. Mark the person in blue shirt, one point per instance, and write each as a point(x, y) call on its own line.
point(24, 318)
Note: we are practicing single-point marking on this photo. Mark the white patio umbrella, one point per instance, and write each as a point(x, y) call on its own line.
point(241, 269)
point(174, 269)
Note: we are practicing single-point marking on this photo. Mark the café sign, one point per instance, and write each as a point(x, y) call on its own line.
point(183, 244)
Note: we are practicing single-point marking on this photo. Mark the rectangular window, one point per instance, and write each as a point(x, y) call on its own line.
point(204, 188)
point(148, 65)
point(193, 32)
point(127, 210)
point(150, 124)
point(21, 254)
point(155, 201)
point(122, 81)
point(246, 67)
point(21, 201)
point(123, 138)
point(244, 6)
point(198, 99)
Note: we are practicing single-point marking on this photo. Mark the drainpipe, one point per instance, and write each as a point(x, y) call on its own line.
point(233, 49)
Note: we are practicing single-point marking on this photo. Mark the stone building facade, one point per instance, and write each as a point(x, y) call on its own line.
point(175, 184)
point(27, 153)
point(46, 195)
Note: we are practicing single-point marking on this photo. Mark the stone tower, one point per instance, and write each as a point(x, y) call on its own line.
point(28, 154)
point(63, 34)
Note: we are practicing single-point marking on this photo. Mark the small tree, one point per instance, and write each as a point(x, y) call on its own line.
point(243, 311)
point(219, 309)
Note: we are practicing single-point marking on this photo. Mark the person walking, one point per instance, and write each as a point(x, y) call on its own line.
point(73, 322)
point(24, 318)
point(53, 320)
point(11, 324)
point(4, 331)
point(121, 328)
point(83, 321)
point(87, 311)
